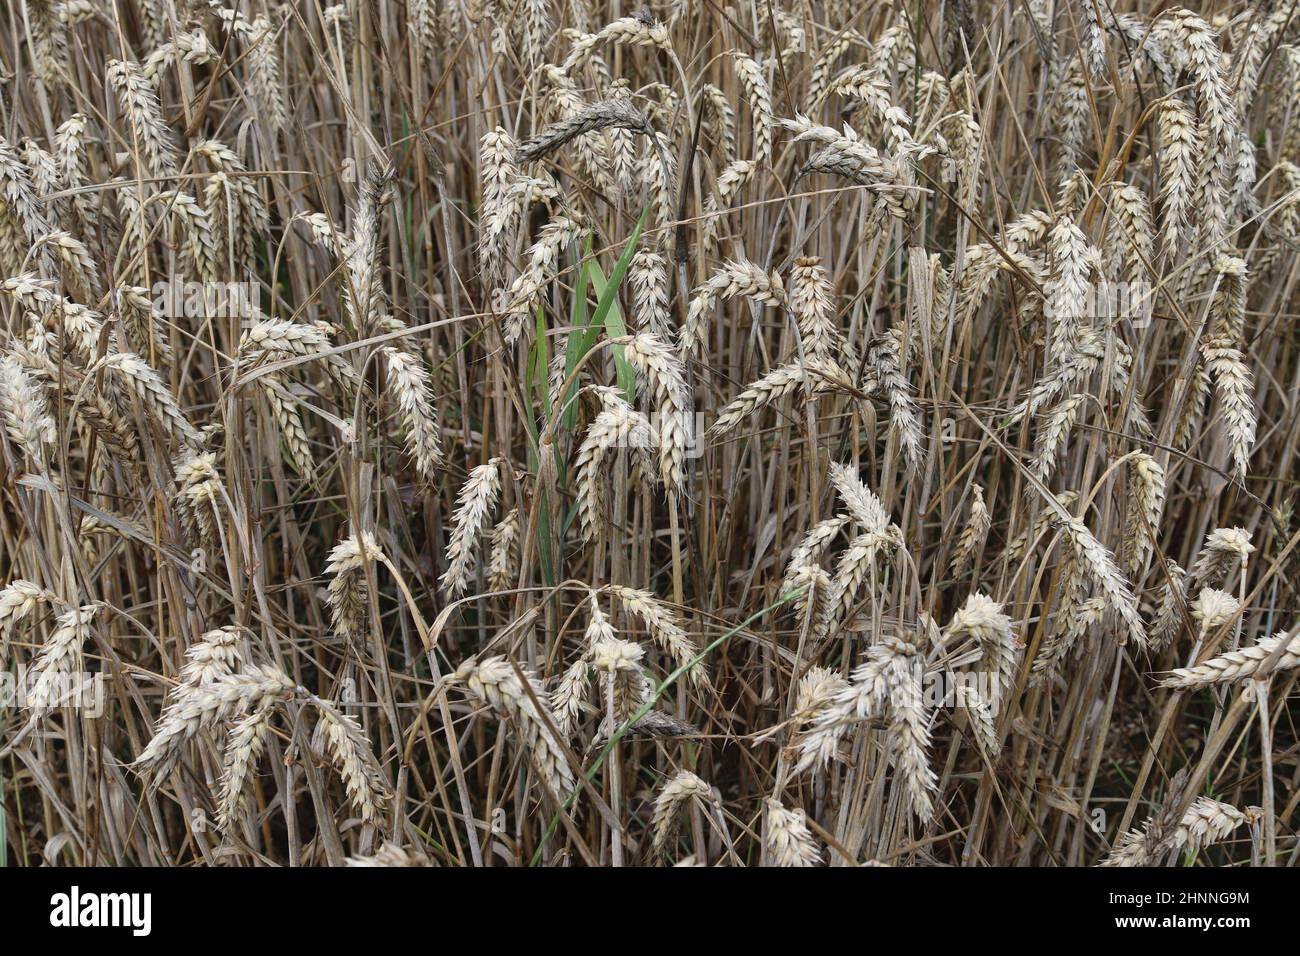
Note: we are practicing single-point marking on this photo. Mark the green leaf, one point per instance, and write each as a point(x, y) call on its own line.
point(578, 339)
point(536, 376)
point(607, 314)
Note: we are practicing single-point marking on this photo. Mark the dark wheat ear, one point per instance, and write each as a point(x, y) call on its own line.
point(348, 594)
point(614, 114)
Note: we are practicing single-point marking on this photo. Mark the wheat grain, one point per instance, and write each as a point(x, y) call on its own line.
point(1101, 568)
point(18, 600)
point(266, 76)
point(648, 275)
point(811, 300)
point(1146, 503)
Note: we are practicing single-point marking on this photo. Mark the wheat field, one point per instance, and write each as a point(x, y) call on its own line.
point(518, 432)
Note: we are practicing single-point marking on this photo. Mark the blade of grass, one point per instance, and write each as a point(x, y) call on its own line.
point(579, 341)
point(535, 385)
point(607, 314)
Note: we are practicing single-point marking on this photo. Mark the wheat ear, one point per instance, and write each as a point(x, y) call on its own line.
point(58, 658)
point(342, 738)
point(195, 708)
point(496, 683)
point(666, 630)
point(789, 842)
point(477, 498)
point(682, 790)
point(244, 748)
point(348, 594)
